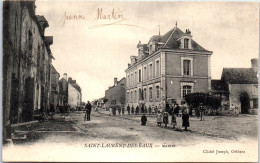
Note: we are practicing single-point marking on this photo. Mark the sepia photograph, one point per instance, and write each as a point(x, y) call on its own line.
point(129, 81)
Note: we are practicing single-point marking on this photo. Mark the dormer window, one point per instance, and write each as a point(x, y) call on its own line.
point(186, 43)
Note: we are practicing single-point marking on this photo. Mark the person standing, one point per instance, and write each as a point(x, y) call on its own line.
point(165, 119)
point(137, 110)
point(123, 110)
point(185, 120)
point(128, 109)
point(119, 110)
point(177, 110)
point(145, 109)
point(159, 118)
point(202, 112)
point(174, 120)
point(155, 110)
point(132, 109)
point(88, 111)
point(150, 109)
point(232, 109)
point(143, 119)
point(142, 108)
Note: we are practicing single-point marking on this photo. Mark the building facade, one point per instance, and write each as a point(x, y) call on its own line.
point(74, 94)
point(27, 60)
point(240, 87)
point(54, 99)
point(167, 68)
point(115, 94)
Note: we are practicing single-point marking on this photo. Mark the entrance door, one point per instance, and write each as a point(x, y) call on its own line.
point(27, 114)
point(245, 103)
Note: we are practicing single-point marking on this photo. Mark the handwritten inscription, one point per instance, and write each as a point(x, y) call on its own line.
point(107, 18)
point(114, 15)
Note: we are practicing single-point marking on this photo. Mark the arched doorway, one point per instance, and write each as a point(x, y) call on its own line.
point(245, 103)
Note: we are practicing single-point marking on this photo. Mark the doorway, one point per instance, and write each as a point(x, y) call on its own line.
point(245, 103)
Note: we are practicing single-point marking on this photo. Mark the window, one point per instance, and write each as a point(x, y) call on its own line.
point(135, 80)
point(140, 73)
point(186, 90)
point(131, 96)
point(157, 92)
point(150, 71)
point(151, 93)
point(157, 67)
point(144, 93)
point(255, 103)
point(255, 89)
point(127, 97)
point(145, 73)
point(128, 80)
point(186, 43)
point(135, 96)
point(186, 67)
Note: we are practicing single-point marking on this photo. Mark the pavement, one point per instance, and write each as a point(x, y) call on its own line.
point(68, 137)
point(215, 126)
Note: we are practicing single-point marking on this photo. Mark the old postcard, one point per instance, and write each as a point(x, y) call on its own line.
point(130, 81)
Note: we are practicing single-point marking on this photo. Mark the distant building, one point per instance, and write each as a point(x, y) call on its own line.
point(74, 94)
point(54, 99)
point(239, 86)
point(70, 92)
point(115, 94)
point(167, 68)
point(63, 90)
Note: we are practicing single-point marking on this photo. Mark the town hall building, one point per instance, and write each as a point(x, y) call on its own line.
point(167, 68)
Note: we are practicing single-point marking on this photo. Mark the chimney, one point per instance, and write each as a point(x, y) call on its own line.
point(133, 59)
point(65, 76)
point(69, 79)
point(115, 81)
point(254, 64)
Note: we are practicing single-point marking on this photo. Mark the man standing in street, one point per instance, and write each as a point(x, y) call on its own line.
point(88, 111)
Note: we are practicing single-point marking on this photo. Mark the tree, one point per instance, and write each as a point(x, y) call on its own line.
point(105, 100)
point(195, 99)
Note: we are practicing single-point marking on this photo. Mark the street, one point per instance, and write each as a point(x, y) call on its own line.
point(103, 132)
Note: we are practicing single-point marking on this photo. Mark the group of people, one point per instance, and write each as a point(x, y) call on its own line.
point(151, 109)
point(163, 118)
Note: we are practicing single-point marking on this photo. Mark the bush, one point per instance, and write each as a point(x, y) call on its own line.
point(195, 99)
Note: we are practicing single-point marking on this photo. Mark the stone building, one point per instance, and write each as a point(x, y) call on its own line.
point(27, 61)
point(69, 92)
point(74, 94)
point(115, 94)
point(239, 86)
point(167, 68)
point(54, 99)
point(63, 90)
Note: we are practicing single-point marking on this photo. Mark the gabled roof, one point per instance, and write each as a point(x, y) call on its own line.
point(239, 76)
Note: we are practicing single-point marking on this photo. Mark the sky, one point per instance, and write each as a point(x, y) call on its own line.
point(93, 54)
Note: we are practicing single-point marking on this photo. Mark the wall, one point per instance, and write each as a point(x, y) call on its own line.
point(237, 89)
point(74, 96)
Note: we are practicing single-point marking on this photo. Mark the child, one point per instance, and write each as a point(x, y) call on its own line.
point(159, 119)
point(165, 118)
point(143, 119)
point(174, 122)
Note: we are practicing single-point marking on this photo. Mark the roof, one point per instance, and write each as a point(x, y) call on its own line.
point(239, 76)
point(76, 86)
point(54, 71)
point(218, 86)
point(171, 40)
